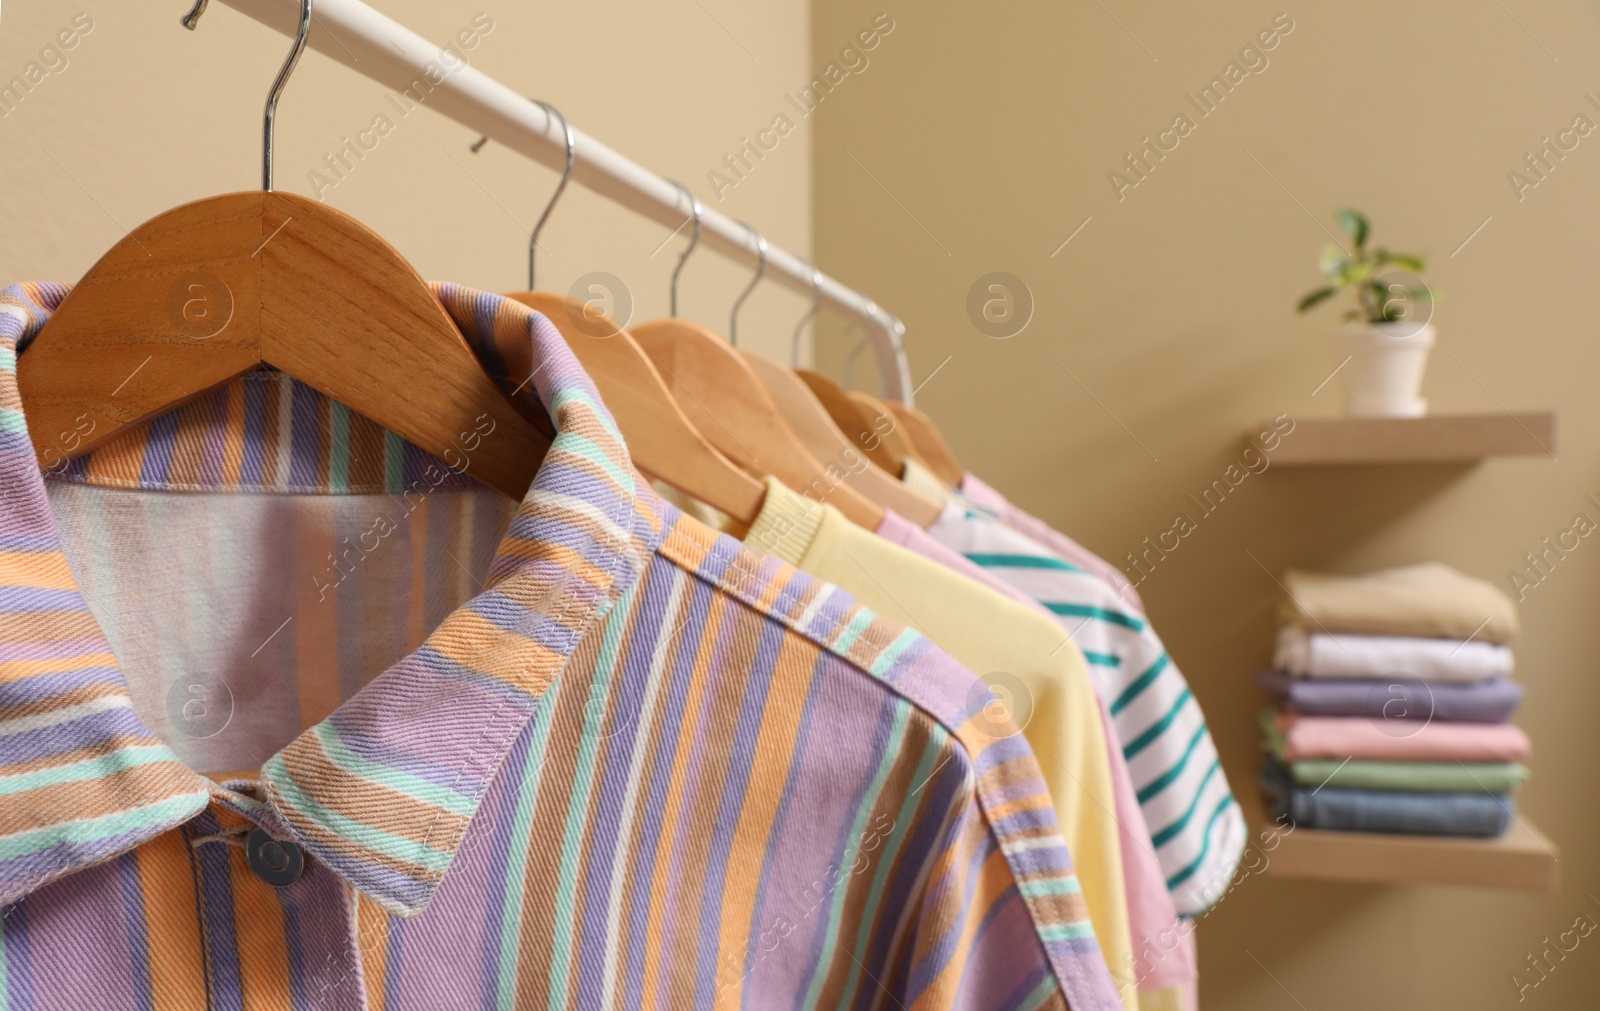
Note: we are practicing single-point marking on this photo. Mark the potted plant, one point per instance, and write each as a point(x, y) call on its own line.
point(1383, 347)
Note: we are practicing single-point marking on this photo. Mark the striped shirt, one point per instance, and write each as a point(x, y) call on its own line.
point(1195, 824)
point(611, 759)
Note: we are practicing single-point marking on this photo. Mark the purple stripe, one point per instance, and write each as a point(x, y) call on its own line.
point(62, 738)
point(753, 687)
point(15, 929)
point(671, 713)
point(215, 440)
point(653, 601)
point(134, 928)
point(31, 600)
point(492, 831)
point(213, 881)
point(159, 446)
point(252, 464)
point(305, 453)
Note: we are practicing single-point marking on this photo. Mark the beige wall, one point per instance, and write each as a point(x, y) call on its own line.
point(146, 116)
point(981, 137)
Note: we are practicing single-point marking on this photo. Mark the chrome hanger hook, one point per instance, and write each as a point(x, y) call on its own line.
point(192, 19)
point(694, 240)
point(761, 268)
point(816, 303)
point(566, 176)
point(861, 345)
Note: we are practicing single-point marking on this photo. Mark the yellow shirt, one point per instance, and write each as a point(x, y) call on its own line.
point(1024, 657)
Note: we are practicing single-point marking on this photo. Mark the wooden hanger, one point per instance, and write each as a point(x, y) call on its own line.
point(726, 402)
point(212, 289)
point(864, 418)
point(929, 442)
point(819, 434)
point(661, 439)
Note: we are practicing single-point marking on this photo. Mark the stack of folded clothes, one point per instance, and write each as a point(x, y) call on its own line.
point(1394, 697)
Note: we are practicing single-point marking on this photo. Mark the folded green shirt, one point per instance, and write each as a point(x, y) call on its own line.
point(1440, 777)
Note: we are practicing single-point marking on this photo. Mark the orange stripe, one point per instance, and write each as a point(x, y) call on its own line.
point(670, 813)
point(770, 764)
point(233, 435)
point(42, 570)
point(177, 965)
point(262, 942)
point(994, 879)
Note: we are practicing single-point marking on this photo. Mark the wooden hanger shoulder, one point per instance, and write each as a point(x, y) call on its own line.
point(929, 442)
point(728, 405)
point(661, 439)
point(819, 432)
point(209, 290)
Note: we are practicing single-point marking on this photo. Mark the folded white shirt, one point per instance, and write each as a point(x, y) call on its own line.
point(1321, 655)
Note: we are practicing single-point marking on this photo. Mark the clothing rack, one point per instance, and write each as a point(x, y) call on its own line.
point(384, 50)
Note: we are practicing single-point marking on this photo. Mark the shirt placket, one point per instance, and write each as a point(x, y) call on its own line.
point(269, 942)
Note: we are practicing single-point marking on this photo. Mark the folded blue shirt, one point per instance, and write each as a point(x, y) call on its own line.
point(1401, 811)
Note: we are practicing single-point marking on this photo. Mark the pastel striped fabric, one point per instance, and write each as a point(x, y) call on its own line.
point(1196, 826)
point(642, 767)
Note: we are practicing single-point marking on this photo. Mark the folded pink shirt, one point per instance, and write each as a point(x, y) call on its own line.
point(1152, 917)
point(1361, 737)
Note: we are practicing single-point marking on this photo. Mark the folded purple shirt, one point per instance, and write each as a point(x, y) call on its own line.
point(1491, 701)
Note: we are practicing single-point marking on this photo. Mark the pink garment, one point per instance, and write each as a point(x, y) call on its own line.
point(974, 488)
point(1152, 917)
point(896, 529)
point(1361, 737)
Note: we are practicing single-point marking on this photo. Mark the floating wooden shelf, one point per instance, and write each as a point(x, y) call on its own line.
point(1441, 439)
point(1524, 858)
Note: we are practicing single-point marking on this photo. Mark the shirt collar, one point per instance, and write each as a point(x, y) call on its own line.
point(382, 790)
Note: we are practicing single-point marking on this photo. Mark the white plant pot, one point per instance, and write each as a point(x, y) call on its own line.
point(1384, 372)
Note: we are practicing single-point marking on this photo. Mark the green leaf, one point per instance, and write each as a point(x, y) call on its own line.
point(1316, 296)
point(1332, 262)
point(1414, 264)
point(1354, 225)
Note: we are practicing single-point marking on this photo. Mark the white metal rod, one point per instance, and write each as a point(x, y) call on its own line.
point(375, 45)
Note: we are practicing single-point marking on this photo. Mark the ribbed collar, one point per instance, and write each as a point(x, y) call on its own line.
point(382, 790)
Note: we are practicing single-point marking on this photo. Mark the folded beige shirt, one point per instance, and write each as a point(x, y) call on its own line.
point(1426, 599)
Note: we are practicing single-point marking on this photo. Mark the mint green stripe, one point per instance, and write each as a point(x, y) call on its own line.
point(1161, 838)
point(517, 861)
point(1139, 684)
point(926, 766)
point(1041, 993)
point(847, 638)
point(338, 447)
point(411, 785)
point(1157, 728)
point(1205, 846)
point(420, 855)
point(1102, 659)
point(1067, 931)
point(11, 421)
point(8, 358)
point(394, 463)
point(1166, 779)
point(573, 393)
point(1051, 886)
point(892, 653)
point(830, 941)
point(91, 768)
point(91, 830)
point(591, 450)
point(990, 561)
point(578, 806)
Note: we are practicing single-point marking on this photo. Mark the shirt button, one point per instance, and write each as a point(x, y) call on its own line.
point(278, 862)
